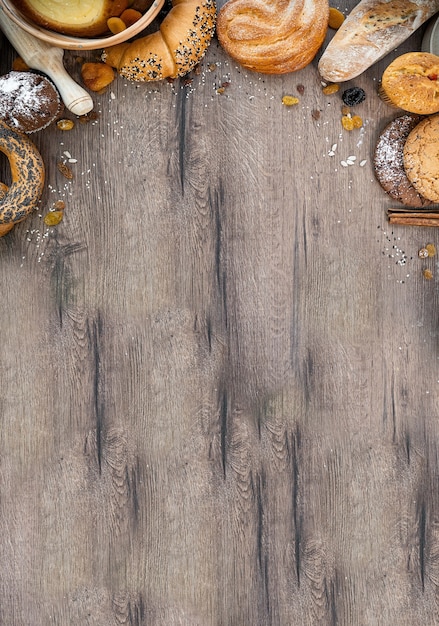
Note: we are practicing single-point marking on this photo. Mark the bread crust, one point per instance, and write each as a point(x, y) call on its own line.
point(371, 30)
point(273, 37)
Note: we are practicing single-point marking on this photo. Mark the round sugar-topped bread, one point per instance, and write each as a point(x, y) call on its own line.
point(421, 157)
point(389, 161)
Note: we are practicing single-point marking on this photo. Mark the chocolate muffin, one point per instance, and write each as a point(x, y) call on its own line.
point(28, 101)
point(389, 161)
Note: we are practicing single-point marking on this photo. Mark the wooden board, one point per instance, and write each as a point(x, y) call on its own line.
point(220, 371)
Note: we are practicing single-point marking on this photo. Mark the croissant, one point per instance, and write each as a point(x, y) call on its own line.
point(172, 51)
point(273, 37)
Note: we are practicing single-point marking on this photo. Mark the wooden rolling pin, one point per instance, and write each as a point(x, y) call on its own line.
point(48, 59)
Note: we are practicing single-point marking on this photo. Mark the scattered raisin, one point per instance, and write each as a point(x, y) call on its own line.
point(357, 121)
point(428, 274)
point(431, 249)
point(53, 218)
point(331, 88)
point(65, 170)
point(290, 101)
point(347, 122)
point(315, 114)
point(300, 89)
point(65, 124)
point(353, 96)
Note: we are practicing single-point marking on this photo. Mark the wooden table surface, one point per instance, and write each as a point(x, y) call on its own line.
point(220, 370)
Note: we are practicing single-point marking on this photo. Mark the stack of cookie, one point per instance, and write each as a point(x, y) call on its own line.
point(406, 159)
point(406, 156)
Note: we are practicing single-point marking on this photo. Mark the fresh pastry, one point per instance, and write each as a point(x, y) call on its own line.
point(81, 18)
point(371, 30)
point(174, 50)
point(273, 37)
point(389, 161)
point(411, 82)
point(421, 157)
point(28, 101)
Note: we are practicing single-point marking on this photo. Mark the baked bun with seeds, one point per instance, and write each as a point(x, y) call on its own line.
point(273, 37)
point(174, 50)
point(27, 174)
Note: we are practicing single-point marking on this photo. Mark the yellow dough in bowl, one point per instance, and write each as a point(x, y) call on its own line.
point(82, 18)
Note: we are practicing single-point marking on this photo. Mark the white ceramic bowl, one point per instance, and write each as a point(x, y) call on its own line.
point(430, 40)
point(80, 43)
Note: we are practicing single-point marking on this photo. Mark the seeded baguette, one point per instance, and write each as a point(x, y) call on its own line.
point(172, 51)
point(371, 30)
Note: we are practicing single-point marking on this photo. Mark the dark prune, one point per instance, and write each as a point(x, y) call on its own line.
point(353, 96)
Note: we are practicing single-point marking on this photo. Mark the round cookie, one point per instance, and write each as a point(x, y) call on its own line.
point(389, 161)
point(421, 157)
point(28, 101)
point(411, 82)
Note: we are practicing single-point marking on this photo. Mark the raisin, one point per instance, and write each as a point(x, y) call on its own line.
point(65, 124)
point(53, 218)
point(431, 249)
point(347, 122)
point(357, 121)
point(290, 100)
point(353, 96)
point(428, 274)
point(331, 88)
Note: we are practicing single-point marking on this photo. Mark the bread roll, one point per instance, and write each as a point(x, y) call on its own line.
point(371, 30)
point(273, 37)
point(411, 83)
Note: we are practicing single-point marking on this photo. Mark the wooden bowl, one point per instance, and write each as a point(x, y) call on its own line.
point(80, 43)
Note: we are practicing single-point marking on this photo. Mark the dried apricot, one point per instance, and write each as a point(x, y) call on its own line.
point(130, 17)
point(116, 25)
point(336, 18)
point(97, 76)
point(20, 65)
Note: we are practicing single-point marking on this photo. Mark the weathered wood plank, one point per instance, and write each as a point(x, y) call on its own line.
point(219, 401)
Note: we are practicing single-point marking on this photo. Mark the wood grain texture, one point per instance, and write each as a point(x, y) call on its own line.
point(220, 371)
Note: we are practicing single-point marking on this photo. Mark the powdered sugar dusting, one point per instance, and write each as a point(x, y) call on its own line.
point(28, 101)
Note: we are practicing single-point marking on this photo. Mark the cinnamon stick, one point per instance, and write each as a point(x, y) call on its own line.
point(413, 218)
